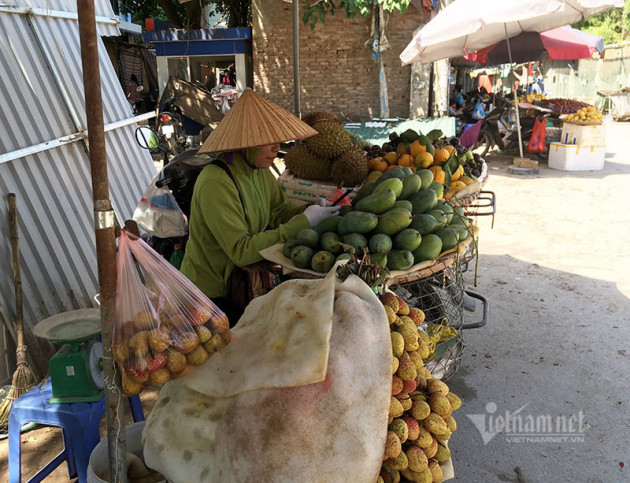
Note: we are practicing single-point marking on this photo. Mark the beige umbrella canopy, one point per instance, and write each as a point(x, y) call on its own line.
point(255, 121)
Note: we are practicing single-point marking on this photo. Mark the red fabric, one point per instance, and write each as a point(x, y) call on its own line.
point(537, 141)
point(485, 81)
point(563, 45)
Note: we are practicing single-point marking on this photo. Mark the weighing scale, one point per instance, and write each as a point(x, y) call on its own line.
point(76, 370)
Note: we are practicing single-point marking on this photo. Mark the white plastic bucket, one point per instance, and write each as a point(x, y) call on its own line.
point(99, 459)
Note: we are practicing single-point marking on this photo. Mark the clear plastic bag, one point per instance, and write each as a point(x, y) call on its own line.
point(165, 325)
point(159, 214)
point(478, 112)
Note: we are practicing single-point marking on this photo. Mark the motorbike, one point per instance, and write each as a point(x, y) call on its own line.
point(178, 175)
point(170, 126)
point(499, 129)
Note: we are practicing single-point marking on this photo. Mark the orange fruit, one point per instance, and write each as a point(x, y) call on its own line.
point(466, 180)
point(405, 160)
point(457, 186)
point(392, 167)
point(441, 155)
point(377, 164)
point(449, 148)
point(448, 195)
point(438, 174)
point(391, 157)
point(423, 160)
point(458, 173)
point(417, 148)
point(403, 148)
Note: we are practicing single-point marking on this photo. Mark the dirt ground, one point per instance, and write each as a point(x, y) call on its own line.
point(557, 344)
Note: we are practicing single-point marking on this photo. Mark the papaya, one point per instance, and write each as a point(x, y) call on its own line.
point(406, 204)
point(424, 223)
point(411, 185)
point(329, 224)
point(426, 177)
point(438, 188)
point(393, 221)
point(399, 260)
point(357, 222)
point(322, 261)
point(462, 231)
point(394, 184)
point(379, 201)
point(423, 201)
point(429, 249)
point(440, 217)
point(380, 243)
point(407, 239)
point(329, 241)
point(358, 241)
point(449, 238)
point(379, 259)
point(365, 191)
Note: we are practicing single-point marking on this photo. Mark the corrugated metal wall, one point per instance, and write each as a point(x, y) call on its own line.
point(53, 187)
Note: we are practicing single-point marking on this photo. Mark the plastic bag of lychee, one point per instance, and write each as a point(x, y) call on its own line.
point(165, 325)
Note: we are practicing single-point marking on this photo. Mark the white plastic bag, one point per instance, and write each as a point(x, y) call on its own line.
point(159, 214)
point(478, 112)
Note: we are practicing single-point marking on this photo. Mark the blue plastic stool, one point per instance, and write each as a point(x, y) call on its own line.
point(80, 428)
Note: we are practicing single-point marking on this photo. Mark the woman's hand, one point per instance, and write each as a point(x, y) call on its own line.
point(315, 214)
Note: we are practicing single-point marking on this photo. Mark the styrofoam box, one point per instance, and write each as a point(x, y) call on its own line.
point(305, 190)
point(594, 135)
point(575, 157)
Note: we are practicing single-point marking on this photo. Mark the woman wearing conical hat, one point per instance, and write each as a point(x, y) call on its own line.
point(237, 207)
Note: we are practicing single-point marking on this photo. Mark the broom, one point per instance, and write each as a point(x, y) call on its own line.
point(23, 377)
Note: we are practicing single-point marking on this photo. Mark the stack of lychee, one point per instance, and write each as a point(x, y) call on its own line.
point(420, 420)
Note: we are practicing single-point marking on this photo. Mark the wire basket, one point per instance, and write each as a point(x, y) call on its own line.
point(441, 297)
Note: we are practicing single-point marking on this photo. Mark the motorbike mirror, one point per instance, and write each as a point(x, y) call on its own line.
point(147, 138)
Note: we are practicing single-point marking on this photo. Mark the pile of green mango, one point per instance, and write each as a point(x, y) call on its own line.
point(398, 217)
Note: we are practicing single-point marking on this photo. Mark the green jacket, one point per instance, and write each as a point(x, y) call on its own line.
point(220, 237)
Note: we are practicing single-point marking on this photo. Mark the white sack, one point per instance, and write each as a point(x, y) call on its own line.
point(327, 431)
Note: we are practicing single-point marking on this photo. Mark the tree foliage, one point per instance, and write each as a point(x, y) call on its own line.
point(189, 15)
point(612, 25)
point(317, 12)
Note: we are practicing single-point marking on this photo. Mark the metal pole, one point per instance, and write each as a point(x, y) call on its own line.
point(518, 120)
point(104, 233)
point(296, 57)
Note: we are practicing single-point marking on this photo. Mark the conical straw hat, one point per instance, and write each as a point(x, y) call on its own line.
point(255, 121)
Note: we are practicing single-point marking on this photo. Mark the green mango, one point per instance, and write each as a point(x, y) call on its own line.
point(423, 201)
point(308, 237)
point(379, 201)
point(288, 246)
point(366, 190)
point(345, 209)
point(379, 259)
point(329, 224)
point(449, 238)
point(424, 223)
point(445, 208)
point(407, 239)
point(358, 241)
point(394, 184)
point(462, 231)
point(406, 204)
point(301, 256)
point(400, 260)
point(426, 177)
point(411, 185)
point(429, 249)
point(357, 222)
point(438, 188)
point(329, 241)
point(393, 221)
point(408, 171)
point(380, 243)
point(344, 256)
point(460, 220)
point(440, 217)
point(322, 261)
point(395, 172)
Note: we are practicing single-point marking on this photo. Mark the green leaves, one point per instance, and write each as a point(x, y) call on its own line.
point(351, 8)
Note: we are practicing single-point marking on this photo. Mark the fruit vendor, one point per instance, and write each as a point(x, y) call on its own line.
point(237, 207)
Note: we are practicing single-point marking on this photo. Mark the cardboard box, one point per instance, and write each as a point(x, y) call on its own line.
point(307, 190)
point(574, 157)
point(583, 135)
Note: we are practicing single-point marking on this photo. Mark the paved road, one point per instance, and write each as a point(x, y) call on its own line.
point(556, 349)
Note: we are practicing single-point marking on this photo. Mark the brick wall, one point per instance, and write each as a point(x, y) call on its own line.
point(337, 72)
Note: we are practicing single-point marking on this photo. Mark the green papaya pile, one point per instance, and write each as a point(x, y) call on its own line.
point(397, 217)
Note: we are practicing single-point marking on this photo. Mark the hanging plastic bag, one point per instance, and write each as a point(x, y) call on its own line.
point(159, 214)
point(478, 112)
point(165, 325)
point(537, 141)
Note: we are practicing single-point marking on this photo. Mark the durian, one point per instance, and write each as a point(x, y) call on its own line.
point(350, 168)
point(314, 117)
point(306, 165)
point(332, 140)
